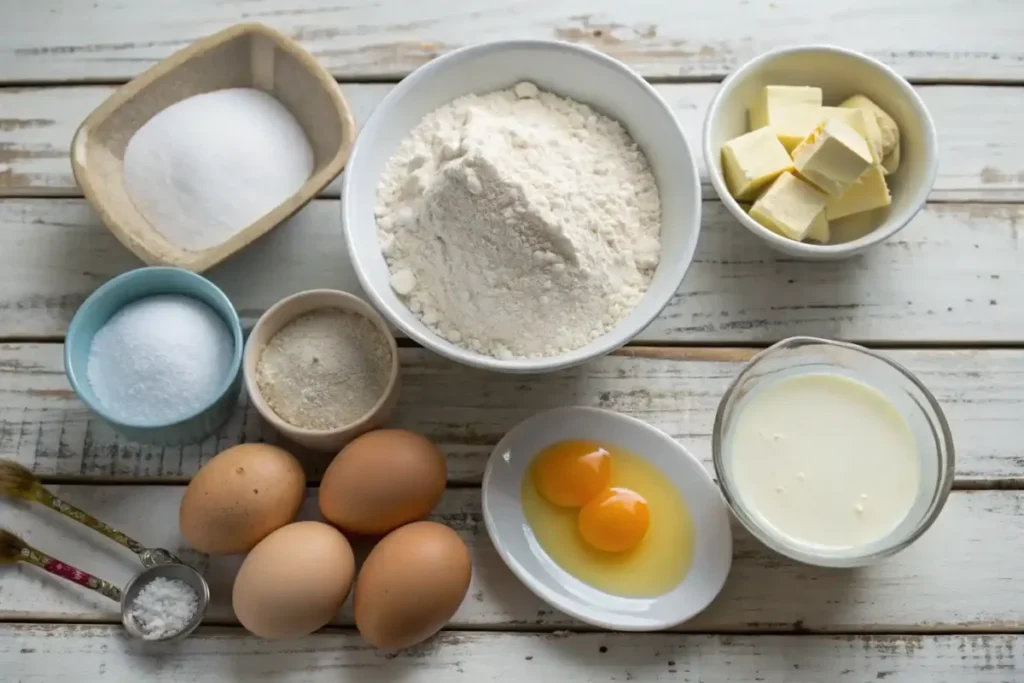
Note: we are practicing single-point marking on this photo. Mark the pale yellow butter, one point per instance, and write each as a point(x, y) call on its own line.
point(861, 121)
point(789, 207)
point(794, 124)
point(891, 161)
point(889, 131)
point(753, 160)
point(819, 231)
point(868, 193)
point(832, 157)
point(773, 100)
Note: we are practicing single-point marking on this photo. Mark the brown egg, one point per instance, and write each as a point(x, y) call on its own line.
point(239, 497)
point(382, 480)
point(294, 581)
point(411, 584)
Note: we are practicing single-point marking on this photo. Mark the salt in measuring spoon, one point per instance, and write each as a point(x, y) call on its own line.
point(18, 481)
point(14, 550)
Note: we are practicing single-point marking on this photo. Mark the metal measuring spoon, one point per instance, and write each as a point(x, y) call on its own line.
point(18, 481)
point(13, 549)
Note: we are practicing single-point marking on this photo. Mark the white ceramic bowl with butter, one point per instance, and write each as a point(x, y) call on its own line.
point(840, 73)
point(565, 69)
point(518, 547)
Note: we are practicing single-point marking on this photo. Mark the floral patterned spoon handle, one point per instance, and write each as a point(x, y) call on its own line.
point(13, 549)
point(17, 480)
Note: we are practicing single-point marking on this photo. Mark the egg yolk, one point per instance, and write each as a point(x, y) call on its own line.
point(615, 521)
point(571, 473)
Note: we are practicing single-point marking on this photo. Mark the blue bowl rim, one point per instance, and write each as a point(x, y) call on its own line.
point(126, 278)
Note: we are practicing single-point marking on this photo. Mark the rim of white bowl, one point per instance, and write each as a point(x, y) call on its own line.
point(611, 340)
point(537, 587)
point(919, 196)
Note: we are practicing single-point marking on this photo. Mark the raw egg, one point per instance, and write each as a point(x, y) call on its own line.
point(608, 517)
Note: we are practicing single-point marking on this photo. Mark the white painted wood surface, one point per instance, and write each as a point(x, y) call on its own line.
point(950, 276)
point(37, 125)
point(44, 426)
point(962, 575)
point(56, 40)
point(36, 653)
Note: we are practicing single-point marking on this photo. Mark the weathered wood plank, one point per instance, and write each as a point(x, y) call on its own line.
point(981, 145)
point(32, 653)
point(466, 412)
point(961, 575)
point(50, 40)
point(945, 278)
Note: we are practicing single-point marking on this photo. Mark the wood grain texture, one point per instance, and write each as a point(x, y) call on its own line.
point(948, 277)
point(466, 412)
point(980, 144)
point(31, 653)
point(50, 40)
point(961, 575)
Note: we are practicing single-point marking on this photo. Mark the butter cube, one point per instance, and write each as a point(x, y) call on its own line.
point(753, 160)
point(890, 132)
point(774, 99)
point(794, 124)
point(789, 207)
point(832, 157)
point(868, 193)
point(819, 231)
point(891, 161)
point(862, 121)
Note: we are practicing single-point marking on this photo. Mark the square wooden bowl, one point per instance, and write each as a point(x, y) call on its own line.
point(246, 55)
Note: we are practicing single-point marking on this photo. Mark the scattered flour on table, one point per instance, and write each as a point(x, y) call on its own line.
point(210, 165)
point(518, 223)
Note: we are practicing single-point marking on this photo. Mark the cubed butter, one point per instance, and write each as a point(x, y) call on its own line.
point(789, 207)
point(890, 132)
point(832, 157)
point(819, 231)
point(891, 161)
point(753, 160)
point(774, 99)
point(794, 124)
point(862, 121)
point(868, 193)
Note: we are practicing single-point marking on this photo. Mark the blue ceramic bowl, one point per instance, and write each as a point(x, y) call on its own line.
point(125, 289)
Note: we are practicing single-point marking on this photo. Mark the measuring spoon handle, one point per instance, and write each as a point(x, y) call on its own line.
point(46, 498)
point(66, 571)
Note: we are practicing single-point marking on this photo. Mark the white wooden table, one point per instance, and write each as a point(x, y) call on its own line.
point(945, 297)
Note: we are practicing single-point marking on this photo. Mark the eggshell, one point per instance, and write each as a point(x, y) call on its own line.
point(382, 480)
point(294, 581)
point(240, 496)
point(411, 584)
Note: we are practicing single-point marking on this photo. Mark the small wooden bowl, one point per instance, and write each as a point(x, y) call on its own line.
point(287, 310)
point(246, 55)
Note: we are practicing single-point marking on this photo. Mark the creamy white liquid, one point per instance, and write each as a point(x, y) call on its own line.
point(826, 460)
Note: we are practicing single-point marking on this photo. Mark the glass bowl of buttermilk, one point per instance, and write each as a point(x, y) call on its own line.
point(832, 454)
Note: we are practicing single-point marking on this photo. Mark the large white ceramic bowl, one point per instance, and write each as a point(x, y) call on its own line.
point(517, 546)
point(568, 70)
point(839, 73)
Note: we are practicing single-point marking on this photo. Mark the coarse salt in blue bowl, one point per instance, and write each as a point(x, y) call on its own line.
point(128, 288)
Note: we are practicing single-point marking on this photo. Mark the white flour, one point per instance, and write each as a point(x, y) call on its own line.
point(204, 168)
point(518, 223)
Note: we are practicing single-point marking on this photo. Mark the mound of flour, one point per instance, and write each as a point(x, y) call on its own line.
point(519, 223)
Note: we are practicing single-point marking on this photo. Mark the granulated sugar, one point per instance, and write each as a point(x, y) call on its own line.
point(163, 608)
point(206, 167)
point(159, 360)
point(519, 223)
point(324, 369)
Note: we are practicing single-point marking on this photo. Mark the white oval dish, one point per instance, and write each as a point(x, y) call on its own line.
point(565, 69)
point(517, 546)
